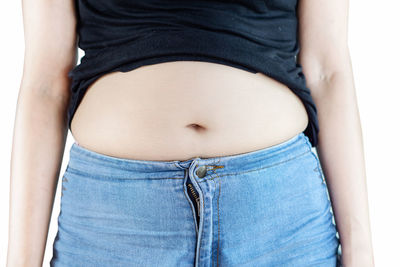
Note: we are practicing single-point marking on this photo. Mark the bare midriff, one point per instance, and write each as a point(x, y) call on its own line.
point(184, 109)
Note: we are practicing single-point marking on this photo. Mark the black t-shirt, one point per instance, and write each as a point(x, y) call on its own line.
point(253, 35)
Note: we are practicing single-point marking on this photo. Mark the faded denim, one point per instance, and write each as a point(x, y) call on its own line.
point(268, 207)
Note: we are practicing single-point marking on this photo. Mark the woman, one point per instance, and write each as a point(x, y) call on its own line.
point(194, 126)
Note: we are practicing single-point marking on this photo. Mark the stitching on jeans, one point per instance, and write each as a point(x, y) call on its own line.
point(219, 193)
point(63, 188)
point(212, 256)
point(319, 168)
point(215, 167)
point(202, 232)
point(215, 186)
point(200, 218)
point(108, 159)
point(216, 175)
point(252, 170)
point(90, 175)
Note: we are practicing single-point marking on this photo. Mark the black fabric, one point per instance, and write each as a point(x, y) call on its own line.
point(253, 35)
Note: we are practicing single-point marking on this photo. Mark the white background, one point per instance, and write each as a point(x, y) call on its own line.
point(374, 40)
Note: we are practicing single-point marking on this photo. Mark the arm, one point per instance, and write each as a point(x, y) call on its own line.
point(324, 56)
point(40, 127)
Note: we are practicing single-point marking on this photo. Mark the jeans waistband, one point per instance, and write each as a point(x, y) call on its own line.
point(98, 164)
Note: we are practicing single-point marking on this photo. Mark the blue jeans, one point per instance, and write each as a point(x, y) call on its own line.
point(268, 207)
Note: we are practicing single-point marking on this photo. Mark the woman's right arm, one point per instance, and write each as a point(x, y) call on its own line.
point(40, 126)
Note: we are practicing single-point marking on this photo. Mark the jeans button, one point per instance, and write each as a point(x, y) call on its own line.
point(201, 171)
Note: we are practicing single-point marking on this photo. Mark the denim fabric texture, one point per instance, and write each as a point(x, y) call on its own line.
point(268, 207)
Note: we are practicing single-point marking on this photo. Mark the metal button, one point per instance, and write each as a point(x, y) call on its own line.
point(201, 171)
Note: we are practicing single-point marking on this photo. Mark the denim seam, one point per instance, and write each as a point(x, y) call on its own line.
point(82, 151)
point(200, 219)
point(276, 149)
point(212, 255)
point(202, 232)
point(319, 168)
point(253, 170)
point(90, 175)
point(114, 161)
point(63, 188)
point(219, 193)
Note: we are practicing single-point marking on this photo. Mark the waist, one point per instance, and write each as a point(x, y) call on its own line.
point(88, 162)
point(182, 109)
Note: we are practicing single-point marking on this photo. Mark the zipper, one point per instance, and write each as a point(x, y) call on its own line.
point(197, 199)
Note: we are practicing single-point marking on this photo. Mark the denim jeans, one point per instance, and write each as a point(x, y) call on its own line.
point(268, 207)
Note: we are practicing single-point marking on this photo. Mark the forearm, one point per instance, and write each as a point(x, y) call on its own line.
point(341, 153)
point(40, 132)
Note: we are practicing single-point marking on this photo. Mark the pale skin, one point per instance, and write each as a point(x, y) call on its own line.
point(327, 65)
point(41, 128)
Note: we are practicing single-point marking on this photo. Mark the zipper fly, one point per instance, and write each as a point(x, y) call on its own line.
point(196, 197)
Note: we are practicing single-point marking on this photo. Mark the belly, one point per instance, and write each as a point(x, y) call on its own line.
point(184, 109)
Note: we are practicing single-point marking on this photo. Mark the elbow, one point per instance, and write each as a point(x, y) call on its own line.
point(320, 77)
point(53, 90)
point(322, 69)
point(331, 77)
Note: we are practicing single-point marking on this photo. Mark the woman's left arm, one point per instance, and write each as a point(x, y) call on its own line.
point(324, 56)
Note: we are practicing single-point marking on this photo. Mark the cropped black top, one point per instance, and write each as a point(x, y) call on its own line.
point(253, 35)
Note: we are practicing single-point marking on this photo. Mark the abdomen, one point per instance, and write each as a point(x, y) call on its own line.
point(181, 109)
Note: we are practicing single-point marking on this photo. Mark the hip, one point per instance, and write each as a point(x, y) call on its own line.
point(269, 207)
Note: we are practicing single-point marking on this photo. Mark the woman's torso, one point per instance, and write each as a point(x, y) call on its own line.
point(184, 109)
